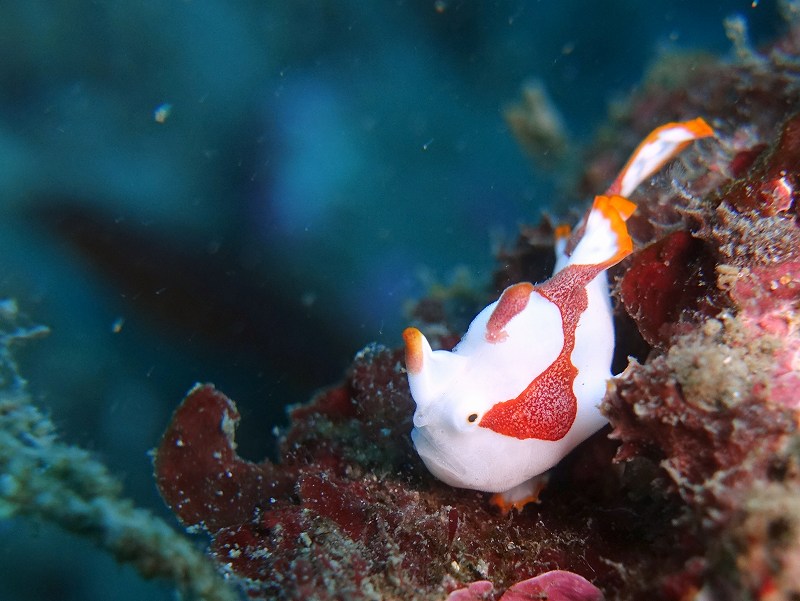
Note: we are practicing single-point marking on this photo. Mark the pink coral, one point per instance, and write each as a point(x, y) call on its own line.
point(556, 585)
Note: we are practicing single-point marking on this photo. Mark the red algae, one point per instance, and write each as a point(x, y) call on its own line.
point(702, 503)
point(772, 187)
point(664, 284)
point(363, 519)
point(199, 474)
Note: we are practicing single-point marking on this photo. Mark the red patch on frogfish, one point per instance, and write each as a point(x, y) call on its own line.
point(513, 300)
point(546, 409)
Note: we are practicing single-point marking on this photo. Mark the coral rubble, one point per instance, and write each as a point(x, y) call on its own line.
point(350, 511)
point(703, 501)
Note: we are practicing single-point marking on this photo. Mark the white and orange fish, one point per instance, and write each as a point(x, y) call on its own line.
point(523, 386)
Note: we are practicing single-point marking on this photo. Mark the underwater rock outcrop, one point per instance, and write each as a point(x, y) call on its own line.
point(693, 490)
point(351, 512)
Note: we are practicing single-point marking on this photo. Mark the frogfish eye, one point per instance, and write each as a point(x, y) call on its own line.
point(472, 418)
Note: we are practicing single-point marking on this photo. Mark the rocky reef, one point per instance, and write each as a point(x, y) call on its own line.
point(691, 493)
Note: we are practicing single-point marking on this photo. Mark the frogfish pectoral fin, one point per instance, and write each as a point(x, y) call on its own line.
point(521, 494)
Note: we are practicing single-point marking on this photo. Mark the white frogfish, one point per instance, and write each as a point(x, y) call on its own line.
point(522, 387)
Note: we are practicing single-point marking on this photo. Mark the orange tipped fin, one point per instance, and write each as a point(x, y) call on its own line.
point(616, 209)
point(562, 232)
point(605, 240)
point(622, 206)
point(521, 495)
point(699, 128)
point(663, 144)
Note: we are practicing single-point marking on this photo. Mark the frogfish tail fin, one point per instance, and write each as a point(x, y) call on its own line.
point(605, 240)
point(663, 144)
